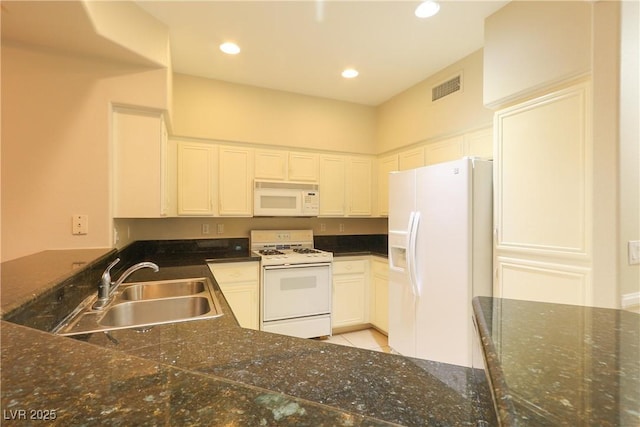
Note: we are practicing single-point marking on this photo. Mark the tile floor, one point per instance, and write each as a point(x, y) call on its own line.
point(369, 339)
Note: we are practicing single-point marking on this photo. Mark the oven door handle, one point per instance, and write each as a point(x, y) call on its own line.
point(288, 266)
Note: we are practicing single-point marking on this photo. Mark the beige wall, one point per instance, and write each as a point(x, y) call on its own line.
point(216, 110)
point(411, 117)
point(531, 45)
point(55, 145)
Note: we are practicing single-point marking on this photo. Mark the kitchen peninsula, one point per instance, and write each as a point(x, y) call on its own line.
point(212, 372)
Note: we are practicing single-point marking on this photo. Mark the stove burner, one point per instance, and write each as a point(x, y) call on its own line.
point(306, 251)
point(270, 252)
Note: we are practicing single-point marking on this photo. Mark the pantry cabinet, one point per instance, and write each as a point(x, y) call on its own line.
point(543, 208)
point(140, 187)
point(197, 164)
point(235, 181)
point(239, 282)
point(350, 296)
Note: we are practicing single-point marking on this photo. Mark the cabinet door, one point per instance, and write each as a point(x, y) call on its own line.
point(348, 300)
point(243, 300)
point(196, 171)
point(235, 181)
point(479, 144)
point(411, 159)
point(443, 151)
point(543, 209)
point(380, 295)
point(386, 165)
point(139, 171)
point(332, 185)
point(303, 167)
point(271, 164)
point(359, 186)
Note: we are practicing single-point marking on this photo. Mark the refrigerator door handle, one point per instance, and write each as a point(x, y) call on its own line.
point(413, 238)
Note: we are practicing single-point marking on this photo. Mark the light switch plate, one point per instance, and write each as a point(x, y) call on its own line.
point(634, 252)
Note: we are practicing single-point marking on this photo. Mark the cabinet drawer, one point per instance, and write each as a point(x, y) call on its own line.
point(349, 267)
point(380, 268)
point(235, 272)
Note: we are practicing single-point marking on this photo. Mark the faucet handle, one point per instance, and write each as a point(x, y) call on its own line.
point(106, 276)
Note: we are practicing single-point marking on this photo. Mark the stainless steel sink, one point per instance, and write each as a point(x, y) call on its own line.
point(152, 312)
point(165, 289)
point(145, 304)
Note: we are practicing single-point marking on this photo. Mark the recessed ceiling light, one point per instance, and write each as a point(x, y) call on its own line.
point(350, 73)
point(427, 9)
point(230, 48)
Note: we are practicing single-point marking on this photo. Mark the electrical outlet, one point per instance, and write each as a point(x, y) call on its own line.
point(79, 224)
point(634, 252)
point(220, 228)
point(205, 229)
point(323, 227)
point(341, 228)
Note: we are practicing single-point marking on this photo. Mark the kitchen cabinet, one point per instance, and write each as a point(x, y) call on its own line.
point(196, 183)
point(303, 166)
point(411, 159)
point(379, 311)
point(271, 164)
point(235, 181)
point(281, 165)
point(479, 143)
point(543, 210)
point(386, 165)
point(332, 185)
point(350, 293)
point(443, 151)
point(139, 186)
point(345, 185)
point(240, 284)
point(359, 186)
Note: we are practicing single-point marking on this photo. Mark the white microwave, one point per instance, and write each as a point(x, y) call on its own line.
point(285, 198)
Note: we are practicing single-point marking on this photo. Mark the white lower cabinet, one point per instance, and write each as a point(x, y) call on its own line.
point(379, 310)
point(240, 284)
point(350, 296)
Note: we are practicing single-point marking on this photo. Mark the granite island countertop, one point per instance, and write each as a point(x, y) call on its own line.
point(556, 364)
point(213, 372)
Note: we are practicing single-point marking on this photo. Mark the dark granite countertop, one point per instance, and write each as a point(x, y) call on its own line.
point(555, 364)
point(212, 372)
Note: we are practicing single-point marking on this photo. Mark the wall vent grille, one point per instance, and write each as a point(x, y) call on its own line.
point(447, 88)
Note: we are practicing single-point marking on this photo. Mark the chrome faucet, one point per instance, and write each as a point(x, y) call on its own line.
point(107, 287)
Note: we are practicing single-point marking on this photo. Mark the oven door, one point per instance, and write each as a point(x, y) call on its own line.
point(295, 291)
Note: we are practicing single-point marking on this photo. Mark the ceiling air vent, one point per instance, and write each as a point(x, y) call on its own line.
point(447, 88)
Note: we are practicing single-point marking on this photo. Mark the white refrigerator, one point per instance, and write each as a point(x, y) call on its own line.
point(440, 257)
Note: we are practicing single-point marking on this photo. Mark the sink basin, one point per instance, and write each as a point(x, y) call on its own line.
point(145, 304)
point(153, 312)
point(165, 289)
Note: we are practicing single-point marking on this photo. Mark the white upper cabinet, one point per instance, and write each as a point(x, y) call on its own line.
point(443, 151)
point(345, 185)
point(332, 185)
point(411, 159)
point(280, 165)
point(271, 164)
point(140, 169)
point(235, 181)
point(386, 165)
point(303, 166)
point(197, 167)
point(479, 143)
point(359, 186)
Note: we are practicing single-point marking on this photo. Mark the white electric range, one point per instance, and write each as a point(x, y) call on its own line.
point(295, 285)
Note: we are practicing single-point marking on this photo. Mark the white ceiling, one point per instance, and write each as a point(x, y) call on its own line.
point(298, 46)
point(303, 46)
